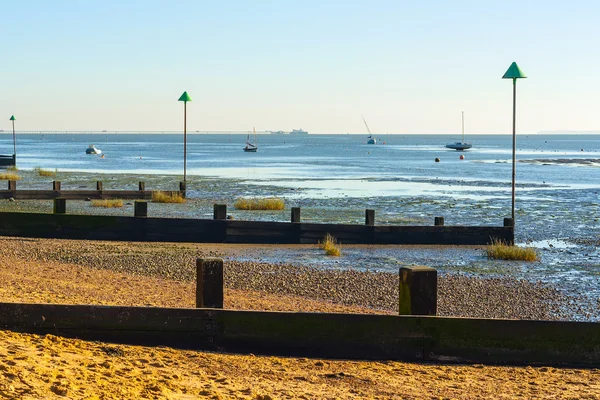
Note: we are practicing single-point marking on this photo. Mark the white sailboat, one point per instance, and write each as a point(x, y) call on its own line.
point(371, 139)
point(462, 145)
point(251, 146)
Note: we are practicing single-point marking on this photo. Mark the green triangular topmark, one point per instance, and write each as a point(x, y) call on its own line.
point(185, 97)
point(514, 72)
point(12, 118)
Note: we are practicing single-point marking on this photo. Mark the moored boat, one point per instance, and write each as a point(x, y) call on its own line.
point(92, 150)
point(462, 145)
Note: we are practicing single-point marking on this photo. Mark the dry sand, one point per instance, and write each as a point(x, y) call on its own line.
point(36, 367)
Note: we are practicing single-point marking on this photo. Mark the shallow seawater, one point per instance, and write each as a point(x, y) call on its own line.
point(334, 178)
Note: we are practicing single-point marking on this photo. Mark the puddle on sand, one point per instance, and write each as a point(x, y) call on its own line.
point(548, 243)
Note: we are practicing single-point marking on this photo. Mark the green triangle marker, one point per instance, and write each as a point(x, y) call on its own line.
point(514, 72)
point(185, 97)
point(12, 118)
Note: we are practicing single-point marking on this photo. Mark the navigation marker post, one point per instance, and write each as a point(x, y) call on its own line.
point(514, 73)
point(185, 97)
point(12, 118)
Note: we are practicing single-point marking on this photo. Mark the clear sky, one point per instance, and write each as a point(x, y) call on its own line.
point(407, 66)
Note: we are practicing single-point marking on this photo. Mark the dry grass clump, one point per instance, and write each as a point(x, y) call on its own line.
point(43, 172)
point(167, 197)
point(112, 203)
point(501, 251)
point(331, 246)
point(269, 203)
point(12, 168)
point(9, 176)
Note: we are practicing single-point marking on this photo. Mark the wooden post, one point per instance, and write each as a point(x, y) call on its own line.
point(509, 222)
point(295, 214)
point(60, 206)
point(369, 217)
point(182, 189)
point(56, 186)
point(141, 186)
point(209, 282)
point(99, 186)
point(12, 185)
point(438, 221)
point(140, 209)
point(220, 211)
point(417, 291)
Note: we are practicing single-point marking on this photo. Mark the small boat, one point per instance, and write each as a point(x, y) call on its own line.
point(92, 150)
point(462, 145)
point(251, 147)
point(370, 138)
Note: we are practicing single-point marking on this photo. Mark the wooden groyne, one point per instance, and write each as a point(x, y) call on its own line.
point(220, 230)
point(85, 194)
point(324, 335)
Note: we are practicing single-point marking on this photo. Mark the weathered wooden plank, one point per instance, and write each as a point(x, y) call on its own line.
point(216, 231)
point(319, 334)
point(75, 194)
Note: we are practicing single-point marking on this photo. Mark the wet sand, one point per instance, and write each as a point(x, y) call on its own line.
point(82, 272)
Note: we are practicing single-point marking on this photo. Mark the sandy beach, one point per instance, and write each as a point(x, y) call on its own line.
point(109, 273)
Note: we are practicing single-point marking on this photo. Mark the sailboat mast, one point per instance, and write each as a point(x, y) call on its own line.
point(463, 126)
point(363, 117)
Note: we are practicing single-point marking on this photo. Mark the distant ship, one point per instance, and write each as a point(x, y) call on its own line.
point(293, 132)
point(298, 132)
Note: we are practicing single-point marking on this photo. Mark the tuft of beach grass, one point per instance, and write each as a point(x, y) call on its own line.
point(269, 203)
point(501, 251)
point(167, 197)
point(9, 176)
point(109, 203)
point(331, 246)
point(44, 172)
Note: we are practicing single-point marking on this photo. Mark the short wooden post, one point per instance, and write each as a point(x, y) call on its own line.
point(60, 206)
point(369, 217)
point(56, 186)
point(12, 185)
point(99, 186)
point(140, 209)
point(141, 186)
point(438, 221)
point(295, 214)
point(209, 282)
point(220, 211)
point(509, 222)
point(417, 291)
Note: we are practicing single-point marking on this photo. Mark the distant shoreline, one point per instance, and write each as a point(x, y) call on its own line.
point(89, 132)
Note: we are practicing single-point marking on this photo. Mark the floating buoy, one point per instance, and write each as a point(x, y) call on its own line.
point(462, 157)
point(437, 160)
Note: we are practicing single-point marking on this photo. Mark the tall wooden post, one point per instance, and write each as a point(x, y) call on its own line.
point(417, 291)
point(369, 217)
point(60, 206)
point(140, 209)
point(220, 211)
point(209, 282)
point(295, 214)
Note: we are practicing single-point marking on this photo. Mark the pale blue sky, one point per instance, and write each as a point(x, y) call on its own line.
point(408, 66)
